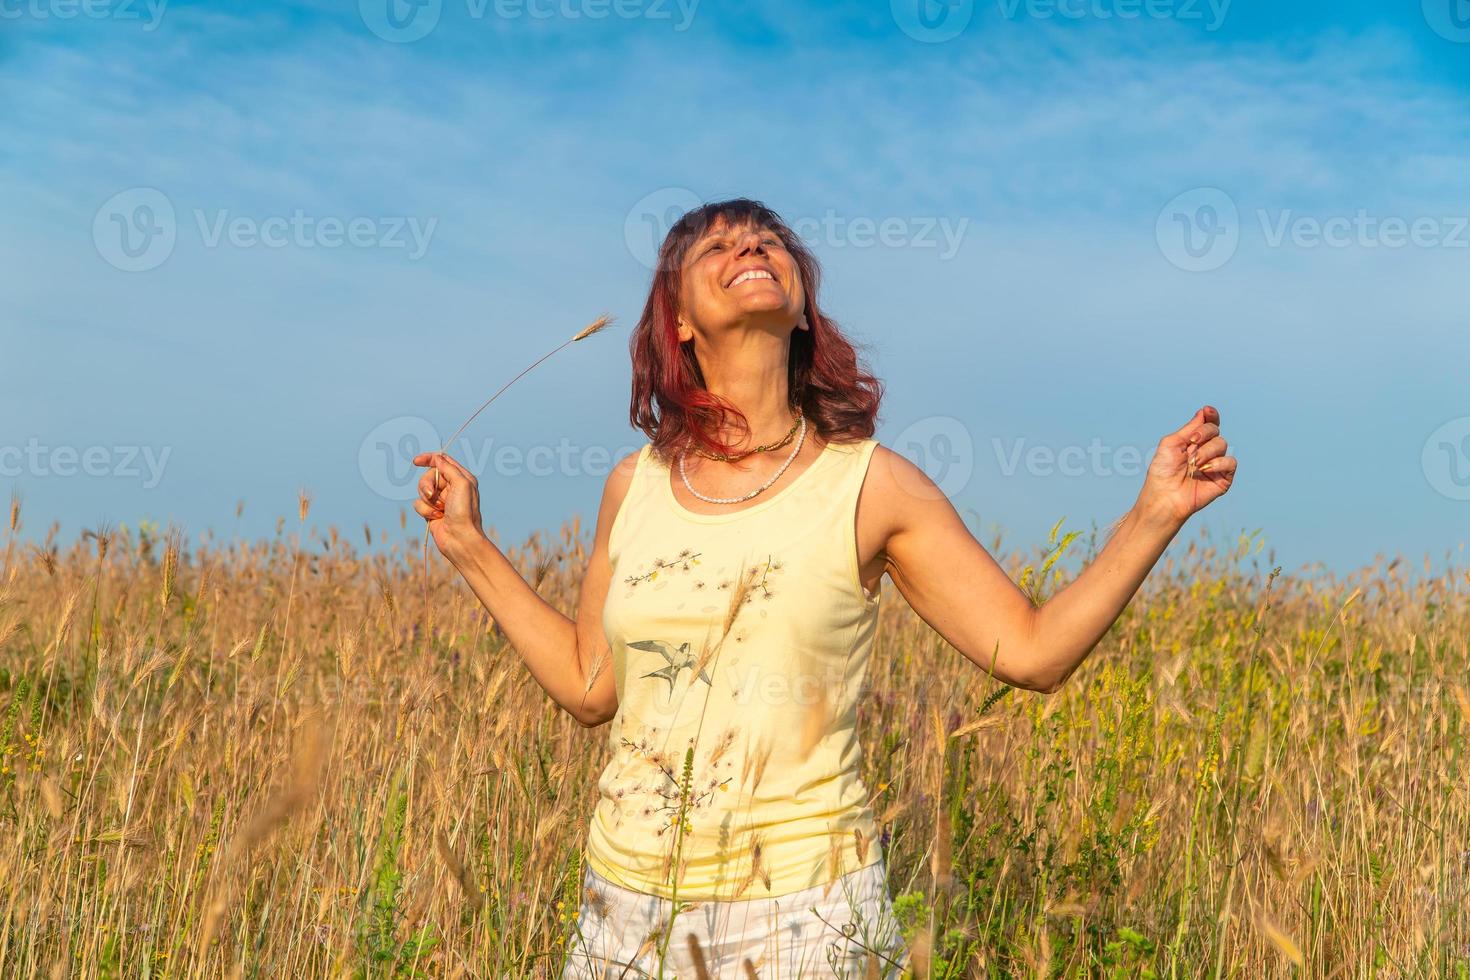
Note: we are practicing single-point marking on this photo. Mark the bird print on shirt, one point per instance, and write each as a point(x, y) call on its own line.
point(676, 661)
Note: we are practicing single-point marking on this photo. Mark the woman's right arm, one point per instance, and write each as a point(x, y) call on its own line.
point(561, 654)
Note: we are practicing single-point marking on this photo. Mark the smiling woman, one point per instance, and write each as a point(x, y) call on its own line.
point(727, 617)
point(737, 263)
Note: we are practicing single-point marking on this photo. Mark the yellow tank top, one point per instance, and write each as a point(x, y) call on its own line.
point(771, 800)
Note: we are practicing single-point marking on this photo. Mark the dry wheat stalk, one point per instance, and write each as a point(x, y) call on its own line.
point(696, 953)
point(307, 769)
point(596, 326)
point(458, 871)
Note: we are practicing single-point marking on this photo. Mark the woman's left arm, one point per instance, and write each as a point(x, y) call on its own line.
point(954, 584)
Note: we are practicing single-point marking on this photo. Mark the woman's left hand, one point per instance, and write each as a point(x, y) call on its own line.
point(1189, 470)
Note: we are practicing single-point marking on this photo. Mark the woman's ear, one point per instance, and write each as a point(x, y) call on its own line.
point(802, 324)
point(686, 332)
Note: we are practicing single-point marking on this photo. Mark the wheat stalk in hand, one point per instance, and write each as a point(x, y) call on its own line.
point(596, 326)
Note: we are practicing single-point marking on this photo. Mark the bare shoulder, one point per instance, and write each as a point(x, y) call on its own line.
point(896, 491)
point(619, 478)
point(622, 470)
point(893, 477)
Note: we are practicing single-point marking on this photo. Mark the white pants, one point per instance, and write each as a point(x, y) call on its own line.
point(844, 933)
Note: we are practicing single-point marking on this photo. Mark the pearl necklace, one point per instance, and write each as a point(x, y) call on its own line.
point(738, 500)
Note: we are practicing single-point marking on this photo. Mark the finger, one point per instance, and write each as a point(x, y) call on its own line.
point(1209, 450)
point(427, 512)
point(1206, 413)
point(451, 471)
point(437, 463)
point(1188, 443)
point(1220, 466)
point(1203, 433)
point(431, 485)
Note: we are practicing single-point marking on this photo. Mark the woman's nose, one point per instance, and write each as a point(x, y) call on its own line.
point(750, 242)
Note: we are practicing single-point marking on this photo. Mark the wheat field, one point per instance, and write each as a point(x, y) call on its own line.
point(294, 758)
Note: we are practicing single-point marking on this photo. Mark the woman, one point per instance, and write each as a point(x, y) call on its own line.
point(727, 615)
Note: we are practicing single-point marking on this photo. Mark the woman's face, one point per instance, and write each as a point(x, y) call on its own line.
point(739, 276)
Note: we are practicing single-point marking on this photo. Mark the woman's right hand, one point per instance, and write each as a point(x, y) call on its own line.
point(450, 503)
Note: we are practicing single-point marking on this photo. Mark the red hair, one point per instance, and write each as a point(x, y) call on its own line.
point(670, 402)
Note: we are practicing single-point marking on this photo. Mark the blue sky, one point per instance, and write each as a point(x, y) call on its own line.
point(254, 248)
